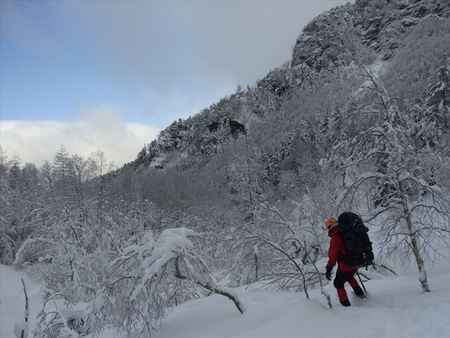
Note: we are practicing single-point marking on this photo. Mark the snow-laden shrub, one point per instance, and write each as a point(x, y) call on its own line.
point(139, 283)
point(6, 248)
point(281, 251)
point(61, 323)
point(33, 250)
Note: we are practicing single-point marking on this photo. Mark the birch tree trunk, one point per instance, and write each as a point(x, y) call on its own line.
point(413, 237)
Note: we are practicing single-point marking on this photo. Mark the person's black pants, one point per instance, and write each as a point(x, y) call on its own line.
point(343, 277)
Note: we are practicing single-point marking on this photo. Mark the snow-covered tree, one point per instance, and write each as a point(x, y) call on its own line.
point(397, 166)
point(143, 280)
point(288, 248)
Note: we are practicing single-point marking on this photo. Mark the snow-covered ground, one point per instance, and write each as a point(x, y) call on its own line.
point(12, 300)
point(396, 307)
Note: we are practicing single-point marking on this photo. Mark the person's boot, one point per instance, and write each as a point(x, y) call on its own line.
point(345, 302)
point(342, 295)
point(359, 292)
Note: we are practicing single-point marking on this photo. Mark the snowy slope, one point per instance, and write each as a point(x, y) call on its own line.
point(12, 301)
point(396, 308)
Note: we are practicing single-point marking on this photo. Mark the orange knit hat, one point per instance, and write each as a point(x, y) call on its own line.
point(330, 222)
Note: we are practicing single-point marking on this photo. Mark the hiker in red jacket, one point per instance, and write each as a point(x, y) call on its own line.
point(345, 273)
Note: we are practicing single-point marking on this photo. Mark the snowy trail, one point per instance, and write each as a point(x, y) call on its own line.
point(396, 308)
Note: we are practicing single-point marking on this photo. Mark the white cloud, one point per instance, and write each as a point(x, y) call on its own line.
point(96, 128)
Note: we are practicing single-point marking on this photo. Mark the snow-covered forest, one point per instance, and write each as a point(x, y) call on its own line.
point(235, 198)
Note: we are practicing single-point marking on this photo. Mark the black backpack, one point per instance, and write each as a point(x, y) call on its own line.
point(356, 240)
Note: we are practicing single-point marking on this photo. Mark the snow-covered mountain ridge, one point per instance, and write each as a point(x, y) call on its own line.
point(334, 39)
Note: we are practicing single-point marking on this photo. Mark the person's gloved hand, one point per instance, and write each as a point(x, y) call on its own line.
point(328, 273)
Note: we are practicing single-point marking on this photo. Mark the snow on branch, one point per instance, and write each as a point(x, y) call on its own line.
point(148, 277)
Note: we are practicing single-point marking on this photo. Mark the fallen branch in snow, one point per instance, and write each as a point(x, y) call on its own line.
point(385, 267)
point(21, 329)
point(213, 288)
point(219, 291)
point(27, 308)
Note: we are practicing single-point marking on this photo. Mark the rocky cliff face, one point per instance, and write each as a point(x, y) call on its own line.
point(336, 38)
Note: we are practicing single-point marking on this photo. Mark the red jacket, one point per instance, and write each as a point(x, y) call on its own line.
point(336, 250)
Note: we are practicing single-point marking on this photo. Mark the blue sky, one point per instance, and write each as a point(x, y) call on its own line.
point(145, 63)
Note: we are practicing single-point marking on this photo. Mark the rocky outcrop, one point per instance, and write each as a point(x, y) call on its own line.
point(336, 37)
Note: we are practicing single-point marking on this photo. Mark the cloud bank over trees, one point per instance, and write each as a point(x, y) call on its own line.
point(95, 128)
